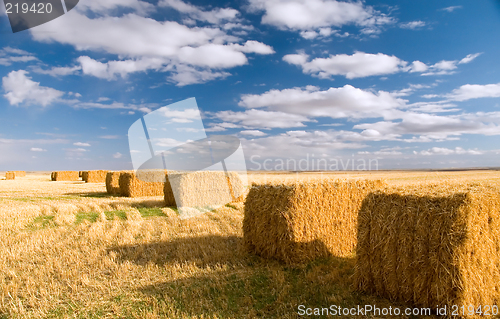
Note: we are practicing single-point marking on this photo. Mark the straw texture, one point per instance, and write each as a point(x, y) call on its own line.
point(94, 176)
point(295, 222)
point(10, 175)
point(113, 183)
point(65, 176)
point(132, 186)
point(431, 245)
point(205, 188)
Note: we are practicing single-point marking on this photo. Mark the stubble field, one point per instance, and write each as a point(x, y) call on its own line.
point(69, 250)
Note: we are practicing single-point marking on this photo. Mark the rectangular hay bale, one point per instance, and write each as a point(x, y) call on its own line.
point(432, 245)
point(296, 222)
point(113, 183)
point(20, 173)
point(132, 186)
point(10, 175)
point(65, 176)
point(204, 188)
point(98, 176)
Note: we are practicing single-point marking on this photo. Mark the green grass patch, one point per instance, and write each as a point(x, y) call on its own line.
point(42, 222)
point(151, 212)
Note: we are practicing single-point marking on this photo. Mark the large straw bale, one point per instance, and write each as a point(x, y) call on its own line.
point(20, 173)
point(10, 175)
point(132, 186)
point(113, 183)
point(84, 175)
point(65, 176)
point(95, 176)
point(298, 221)
point(205, 188)
point(435, 244)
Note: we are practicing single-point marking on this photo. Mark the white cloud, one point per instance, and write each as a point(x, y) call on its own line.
point(448, 151)
point(413, 25)
point(111, 69)
point(358, 65)
point(452, 8)
point(117, 155)
point(474, 91)
point(469, 58)
point(448, 67)
point(21, 89)
point(110, 137)
point(263, 119)
point(215, 16)
point(37, 149)
point(343, 102)
point(9, 55)
point(253, 133)
point(81, 144)
point(184, 116)
point(191, 54)
point(57, 71)
point(417, 66)
point(308, 15)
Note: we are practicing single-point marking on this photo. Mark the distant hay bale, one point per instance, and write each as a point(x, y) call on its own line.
point(20, 173)
point(95, 176)
point(132, 186)
point(84, 175)
point(52, 176)
point(10, 175)
point(202, 189)
point(113, 183)
point(80, 174)
point(65, 176)
point(299, 221)
point(431, 245)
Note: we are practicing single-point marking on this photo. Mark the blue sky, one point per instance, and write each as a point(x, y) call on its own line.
point(410, 84)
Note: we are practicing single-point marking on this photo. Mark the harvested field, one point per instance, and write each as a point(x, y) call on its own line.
point(65, 176)
point(98, 176)
point(131, 186)
point(193, 191)
point(10, 176)
point(435, 244)
point(298, 222)
point(70, 250)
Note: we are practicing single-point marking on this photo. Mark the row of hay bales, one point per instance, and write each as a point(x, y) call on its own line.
point(11, 175)
point(432, 245)
point(97, 176)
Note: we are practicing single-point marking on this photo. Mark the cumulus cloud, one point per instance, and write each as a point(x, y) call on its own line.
point(191, 54)
point(21, 89)
point(253, 133)
point(111, 69)
point(362, 64)
point(474, 91)
point(81, 144)
point(117, 155)
point(262, 119)
point(37, 149)
point(215, 16)
point(342, 102)
point(310, 15)
point(358, 65)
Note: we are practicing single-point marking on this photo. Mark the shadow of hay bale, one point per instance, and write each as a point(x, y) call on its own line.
point(202, 251)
